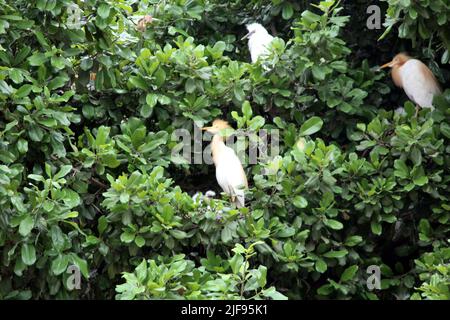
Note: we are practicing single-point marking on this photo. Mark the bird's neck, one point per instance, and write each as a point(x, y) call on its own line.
point(396, 76)
point(217, 145)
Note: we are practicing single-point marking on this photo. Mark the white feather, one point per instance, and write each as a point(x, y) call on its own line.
point(417, 86)
point(230, 175)
point(258, 41)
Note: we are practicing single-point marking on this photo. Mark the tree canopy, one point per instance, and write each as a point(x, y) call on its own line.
point(92, 93)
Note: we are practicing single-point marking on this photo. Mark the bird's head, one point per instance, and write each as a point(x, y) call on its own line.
point(255, 28)
point(398, 61)
point(217, 126)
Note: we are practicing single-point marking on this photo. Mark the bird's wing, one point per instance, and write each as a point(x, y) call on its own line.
point(230, 173)
point(259, 46)
point(238, 178)
point(419, 83)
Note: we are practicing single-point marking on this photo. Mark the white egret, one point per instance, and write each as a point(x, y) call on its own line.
point(229, 171)
point(258, 41)
point(416, 79)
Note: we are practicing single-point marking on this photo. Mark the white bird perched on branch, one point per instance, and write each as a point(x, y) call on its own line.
point(258, 41)
point(229, 172)
point(415, 78)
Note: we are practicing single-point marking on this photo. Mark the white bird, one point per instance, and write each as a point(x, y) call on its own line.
point(258, 41)
point(229, 171)
point(415, 78)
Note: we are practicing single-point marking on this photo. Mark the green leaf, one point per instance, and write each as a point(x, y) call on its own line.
point(226, 234)
point(58, 62)
point(376, 227)
point(160, 77)
point(287, 12)
point(102, 224)
point(401, 169)
point(23, 91)
point(65, 169)
point(103, 10)
point(239, 94)
point(138, 82)
point(247, 110)
point(419, 177)
point(127, 237)
point(321, 266)
point(178, 234)
point(16, 76)
point(336, 254)
point(22, 145)
point(325, 290)
point(310, 17)
point(311, 126)
point(190, 85)
point(140, 241)
point(141, 271)
point(333, 224)
point(236, 262)
point(416, 156)
point(59, 264)
point(353, 241)
point(300, 202)
point(318, 72)
point(146, 110)
point(26, 225)
point(81, 264)
point(57, 82)
point(86, 64)
point(349, 273)
point(256, 123)
point(445, 129)
point(28, 254)
point(151, 99)
point(5, 88)
point(37, 59)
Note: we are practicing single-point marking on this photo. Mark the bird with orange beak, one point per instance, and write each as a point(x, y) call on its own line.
point(415, 78)
point(229, 171)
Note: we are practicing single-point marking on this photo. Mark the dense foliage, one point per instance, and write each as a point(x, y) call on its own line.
point(88, 108)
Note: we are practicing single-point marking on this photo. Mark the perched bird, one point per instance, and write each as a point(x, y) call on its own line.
point(415, 78)
point(258, 41)
point(229, 172)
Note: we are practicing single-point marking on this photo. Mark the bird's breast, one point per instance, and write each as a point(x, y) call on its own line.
point(258, 45)
point(229, 172)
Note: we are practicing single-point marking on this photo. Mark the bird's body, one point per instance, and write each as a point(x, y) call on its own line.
point(229, 171)
point(418, 82)
point(258, 41)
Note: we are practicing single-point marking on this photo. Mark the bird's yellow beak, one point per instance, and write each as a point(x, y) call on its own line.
point(248, 35)
point(389, 64)
point(206, 128)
